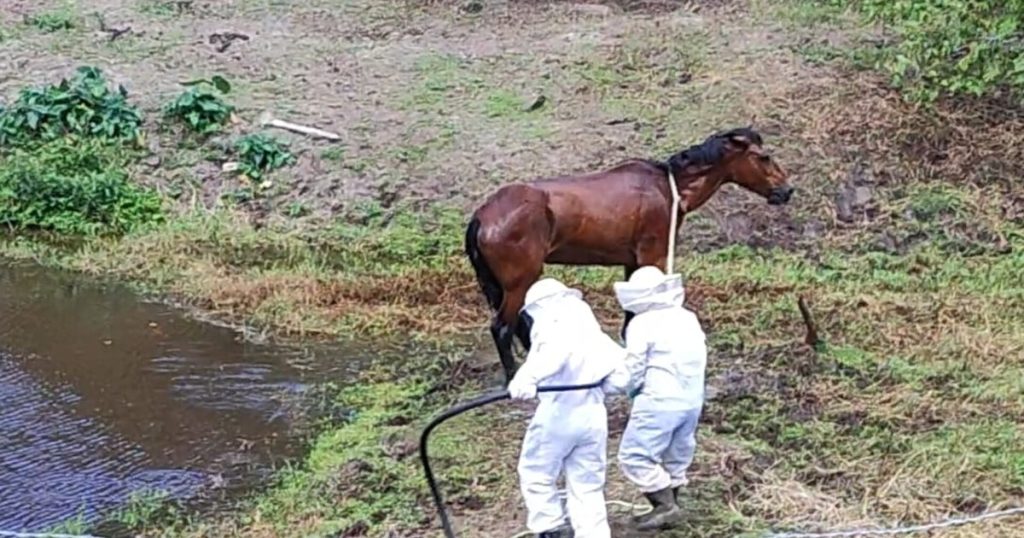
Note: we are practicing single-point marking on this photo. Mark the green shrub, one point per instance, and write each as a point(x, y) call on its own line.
point(201, 107)
point(73, 187)
point(950, 47)
point(82, 106)
point(259, 154)
point(53, 21)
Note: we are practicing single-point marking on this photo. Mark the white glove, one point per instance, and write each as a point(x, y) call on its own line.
point(520, 390)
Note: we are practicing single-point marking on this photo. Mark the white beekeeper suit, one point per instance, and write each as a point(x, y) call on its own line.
point(569, 430)
point(666, 361)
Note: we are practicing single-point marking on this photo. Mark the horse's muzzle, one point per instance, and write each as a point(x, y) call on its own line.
point(780, 195)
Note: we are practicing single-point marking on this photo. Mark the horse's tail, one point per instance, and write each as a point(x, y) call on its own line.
point(484, 276)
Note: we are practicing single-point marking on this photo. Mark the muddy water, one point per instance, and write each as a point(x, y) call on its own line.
point(103, 395)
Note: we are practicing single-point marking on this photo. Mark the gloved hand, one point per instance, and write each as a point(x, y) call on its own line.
point(519, 390)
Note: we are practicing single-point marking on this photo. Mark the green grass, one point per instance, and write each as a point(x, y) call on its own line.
point(503, 103)
point(799, 14)
point(917, 377)
point(441, 78)
point(336, 154)
point(650, 67)
point(144, 509)
point(905, 374)
point(344, 457)
point(158, 8)
point(75, 525)
point(935, 49)
point(74, 188)
point(54, 21)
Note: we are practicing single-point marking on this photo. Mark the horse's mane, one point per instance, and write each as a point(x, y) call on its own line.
point(711, 150)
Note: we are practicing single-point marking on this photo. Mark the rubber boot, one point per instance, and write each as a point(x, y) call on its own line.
point(642, 517)
point(665, 512)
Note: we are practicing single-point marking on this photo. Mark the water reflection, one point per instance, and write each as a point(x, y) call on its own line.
point(103, 395)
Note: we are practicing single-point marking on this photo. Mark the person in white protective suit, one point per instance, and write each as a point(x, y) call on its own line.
point(667, 354)
point(569, 430)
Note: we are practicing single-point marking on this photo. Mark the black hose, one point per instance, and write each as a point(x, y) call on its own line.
point(458, 410)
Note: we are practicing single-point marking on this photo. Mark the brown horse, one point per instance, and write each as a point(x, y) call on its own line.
point(616, 217)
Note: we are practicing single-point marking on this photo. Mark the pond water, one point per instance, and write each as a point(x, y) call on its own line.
point(103, 394)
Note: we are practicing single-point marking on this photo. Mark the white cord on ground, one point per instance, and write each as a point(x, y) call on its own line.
point(952, 522)
point(12, 534)
point(637, 509)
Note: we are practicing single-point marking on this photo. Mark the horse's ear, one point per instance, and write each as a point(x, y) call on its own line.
point(740, 140)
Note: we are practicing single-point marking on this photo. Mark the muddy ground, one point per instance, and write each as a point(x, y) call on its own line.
point(431, 102)
point(902, 231)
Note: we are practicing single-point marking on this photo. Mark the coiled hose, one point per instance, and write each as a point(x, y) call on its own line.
point(456, 410)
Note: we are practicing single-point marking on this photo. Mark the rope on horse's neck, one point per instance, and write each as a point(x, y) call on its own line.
point(673, 220)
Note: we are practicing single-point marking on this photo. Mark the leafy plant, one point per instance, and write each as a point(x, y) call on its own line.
point(259, 154)
point(950, 47)
point(201, 107)
point(53, 21)
point(82, 106)
point(75, 187)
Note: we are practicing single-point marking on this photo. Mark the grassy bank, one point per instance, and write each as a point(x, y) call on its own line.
point(904, 236)
point(911, 409)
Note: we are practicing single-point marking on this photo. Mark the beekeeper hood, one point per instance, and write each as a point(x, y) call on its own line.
point(564, 331)
point(650, 289)
point(545, 299)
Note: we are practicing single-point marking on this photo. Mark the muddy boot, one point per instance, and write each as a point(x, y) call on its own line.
point(665, 512)
point(675, 495)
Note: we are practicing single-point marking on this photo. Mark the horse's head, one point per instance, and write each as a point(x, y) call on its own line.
point(754, 169)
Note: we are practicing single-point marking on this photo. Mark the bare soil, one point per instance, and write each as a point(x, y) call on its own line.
point(430, 100)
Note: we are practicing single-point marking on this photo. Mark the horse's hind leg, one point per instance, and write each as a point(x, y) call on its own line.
point(516, 253)
point(514, 300)
point(502, 334)
point(519, 270)
point(523, 328)
point(506, 323)
point(628, 315)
